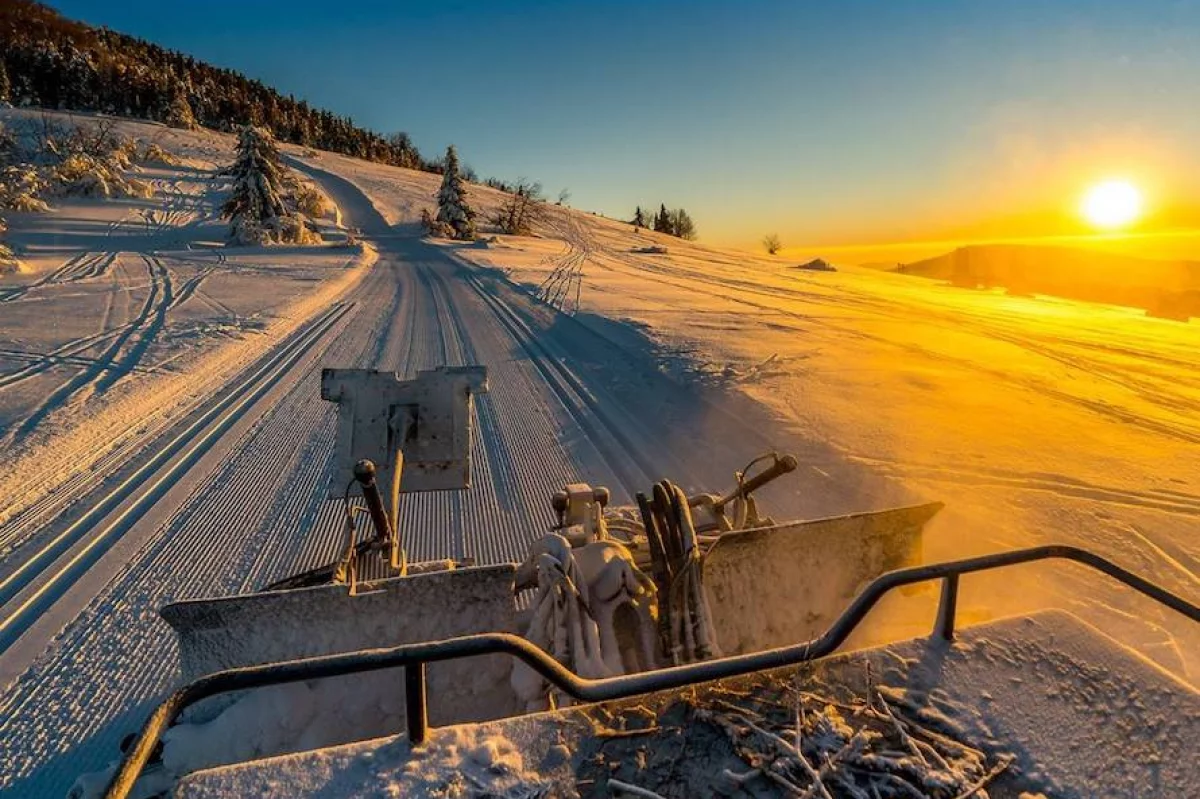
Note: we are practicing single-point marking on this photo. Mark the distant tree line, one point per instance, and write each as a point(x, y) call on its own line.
point(673, 222)
point(49, 61)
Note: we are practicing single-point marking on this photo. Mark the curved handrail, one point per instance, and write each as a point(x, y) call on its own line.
point(597, 690)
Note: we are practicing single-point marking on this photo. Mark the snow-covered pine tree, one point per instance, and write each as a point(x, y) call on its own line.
point(256, 206)
point(5, 84)
point(179, 112)
point(453, 209)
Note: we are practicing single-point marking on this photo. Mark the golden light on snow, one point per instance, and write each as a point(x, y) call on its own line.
point(1112, 204)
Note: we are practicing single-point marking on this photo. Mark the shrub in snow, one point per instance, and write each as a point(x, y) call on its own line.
point(83, 175)
point(521, 210)
point(8, 261)
point(98, 140)
point(20, 186)
point(453, 209)
point(308, 200)
point(50, 159)
point(151, 153)
point(435, 227)
point(256, 207)
point(293, 230)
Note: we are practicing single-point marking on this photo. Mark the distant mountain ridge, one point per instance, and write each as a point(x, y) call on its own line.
point(1163, 288)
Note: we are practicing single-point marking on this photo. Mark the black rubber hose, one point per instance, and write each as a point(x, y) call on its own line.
point(364, 472)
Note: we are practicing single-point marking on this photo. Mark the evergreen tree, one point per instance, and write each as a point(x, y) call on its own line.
point(639, 218)
point(179, 114)
point(403, 153)
point(662, 222)
point(5, 86)
point(453, 209)
point(256, 206)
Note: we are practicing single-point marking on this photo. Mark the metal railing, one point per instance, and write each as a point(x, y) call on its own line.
point(415, 656)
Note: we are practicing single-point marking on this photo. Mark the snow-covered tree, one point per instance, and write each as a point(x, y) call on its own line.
point(404, 153)
point(5, 84)
point(179, 113)
point(453, 209)
point(8, 261)
point(256, 206)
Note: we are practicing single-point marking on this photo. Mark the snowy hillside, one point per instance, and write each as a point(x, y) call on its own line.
point(1034, 419)
point(166, 388)
point(126, 306)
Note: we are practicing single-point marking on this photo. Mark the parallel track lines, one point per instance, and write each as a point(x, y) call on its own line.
point(34, 588)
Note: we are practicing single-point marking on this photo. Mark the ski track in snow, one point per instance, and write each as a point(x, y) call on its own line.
point(255, 510)
point(119, 358)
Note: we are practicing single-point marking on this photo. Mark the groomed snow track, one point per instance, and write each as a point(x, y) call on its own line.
point(233, 495)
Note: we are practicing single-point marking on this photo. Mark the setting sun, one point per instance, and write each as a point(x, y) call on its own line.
point(1112, 204)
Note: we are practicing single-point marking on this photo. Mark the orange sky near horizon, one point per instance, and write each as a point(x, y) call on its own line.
point(1028, 187)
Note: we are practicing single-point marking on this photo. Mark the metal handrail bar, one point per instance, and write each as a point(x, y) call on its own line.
point(415, 656)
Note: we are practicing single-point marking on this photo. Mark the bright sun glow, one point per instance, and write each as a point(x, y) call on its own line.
point(1112, 204)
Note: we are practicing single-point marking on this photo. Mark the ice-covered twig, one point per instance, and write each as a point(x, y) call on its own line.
point(739, 780)
point(632, 790)
point(900, 731)
point(611, 733)
point(791, 753)
point(904, 788)
point(983, 781)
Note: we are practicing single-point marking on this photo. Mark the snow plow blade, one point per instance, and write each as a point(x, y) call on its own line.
point(774, 586)
point(272, 626)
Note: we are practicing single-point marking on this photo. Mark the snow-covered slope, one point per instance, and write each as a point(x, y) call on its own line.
point(128, 307)
point(1034, 420)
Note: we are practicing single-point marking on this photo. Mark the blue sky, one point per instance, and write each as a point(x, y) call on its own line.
point(841, 122)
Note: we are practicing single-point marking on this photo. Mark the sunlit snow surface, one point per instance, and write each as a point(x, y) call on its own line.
point(1034, 419)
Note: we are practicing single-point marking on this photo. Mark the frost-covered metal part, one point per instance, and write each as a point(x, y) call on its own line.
point(561, 623)
point(428, 419)
point(580, 512)
point(692, 634)
point(619, 597)
point(622, 600)
point(685, 620)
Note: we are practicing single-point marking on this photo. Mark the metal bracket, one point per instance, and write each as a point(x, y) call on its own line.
point(419, 427)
